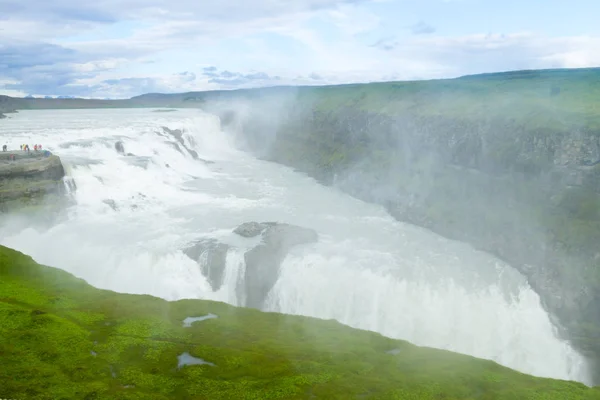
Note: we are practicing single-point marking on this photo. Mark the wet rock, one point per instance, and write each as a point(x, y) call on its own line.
point(120, 147)
point(211, 255)
point(178, 135)
point(175, 146)
point(252, 229)
point(111, 203)
point(263, 261)
point(194, 154)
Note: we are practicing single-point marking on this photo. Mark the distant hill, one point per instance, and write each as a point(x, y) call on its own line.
point(547, 82)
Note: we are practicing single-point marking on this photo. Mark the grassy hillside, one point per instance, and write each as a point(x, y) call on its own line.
point(63, 339)
point(572, 92)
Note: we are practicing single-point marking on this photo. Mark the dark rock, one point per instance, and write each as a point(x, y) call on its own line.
point(194, 154)
point(120, 147)
point(263, 261)
point(252, 229)
point(111, 203)
point(178, 135)
point(212, 258)
point(285, 236)
point(175, 146)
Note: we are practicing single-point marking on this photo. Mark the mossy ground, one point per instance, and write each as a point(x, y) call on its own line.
point(63, 339)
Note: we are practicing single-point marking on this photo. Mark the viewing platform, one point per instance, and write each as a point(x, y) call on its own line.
point(23, 156)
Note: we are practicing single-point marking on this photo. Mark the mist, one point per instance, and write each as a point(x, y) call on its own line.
point(480, 174)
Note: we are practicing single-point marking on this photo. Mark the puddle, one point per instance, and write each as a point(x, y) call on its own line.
point(187, 323)
point(394, 352)
point(187, 359)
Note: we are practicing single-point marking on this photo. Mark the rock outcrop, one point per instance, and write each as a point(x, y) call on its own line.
point(262, 261)
point(252, 229)
point(119, 147)
point(178, 135)
point(27, 178)
point(212, 257)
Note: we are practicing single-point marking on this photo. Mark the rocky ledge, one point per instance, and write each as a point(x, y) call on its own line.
point(28, 177)
point(262, 261)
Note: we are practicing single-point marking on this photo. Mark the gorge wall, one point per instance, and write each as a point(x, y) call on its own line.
point(510, 165)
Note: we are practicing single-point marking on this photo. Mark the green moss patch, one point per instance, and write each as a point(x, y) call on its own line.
point(63, 339)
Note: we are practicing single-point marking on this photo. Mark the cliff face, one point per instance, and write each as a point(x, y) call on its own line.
point(519, 179)
point(28, 178)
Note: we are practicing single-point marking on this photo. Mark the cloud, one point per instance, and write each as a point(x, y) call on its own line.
point(24, 55)
point(498, 52)
point(422, 28)
point(53, 70)
point(228, 79)
point(110, 48)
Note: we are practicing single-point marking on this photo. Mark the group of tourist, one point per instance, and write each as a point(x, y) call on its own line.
point(36, 147)
point(25, 147)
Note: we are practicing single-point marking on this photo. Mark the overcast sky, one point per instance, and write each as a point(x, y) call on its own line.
point(122, 48)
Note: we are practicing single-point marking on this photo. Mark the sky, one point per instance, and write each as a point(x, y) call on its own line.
point(124, 48)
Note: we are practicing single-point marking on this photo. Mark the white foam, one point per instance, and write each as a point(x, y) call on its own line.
point(483, 321)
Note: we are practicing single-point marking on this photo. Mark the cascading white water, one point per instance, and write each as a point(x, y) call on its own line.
point(133, 215)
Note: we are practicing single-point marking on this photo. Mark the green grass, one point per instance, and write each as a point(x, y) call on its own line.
point(51, 322)
point(523, 96)
point(523, 99)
